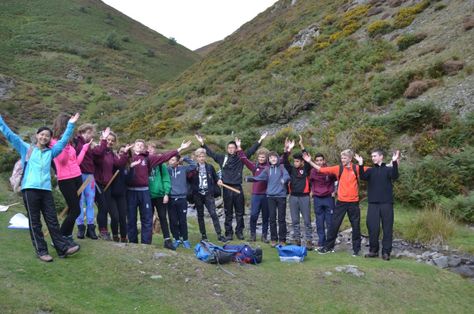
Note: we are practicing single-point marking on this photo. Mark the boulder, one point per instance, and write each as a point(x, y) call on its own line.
point(394, 3)
point(454, 261)
point(441, 262)
point(305, 37)
point(6, 85)
point(465, 271)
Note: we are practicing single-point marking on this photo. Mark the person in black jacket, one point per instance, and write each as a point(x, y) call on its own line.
point(380, 209)
point(232, 167)
point(204, 188)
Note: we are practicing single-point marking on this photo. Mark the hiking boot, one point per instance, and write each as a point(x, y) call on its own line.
point(229, 237)
point(204, 237)
point(169, 245)
point(105, 235)
point(116, 238)
point(221, 238)
point(309, 245)
point(273, 243)
point(186, 244)
point(324, 250)
point(71, 251)
point(90, 233)
point(176, 244)
point(371, 255)
point(240, 236)
point(264, 238)
point(81, 231)
point(386, 256)
point(45, 258)
point(253, 237)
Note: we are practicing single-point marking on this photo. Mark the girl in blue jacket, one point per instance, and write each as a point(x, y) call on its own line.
point(36, 187)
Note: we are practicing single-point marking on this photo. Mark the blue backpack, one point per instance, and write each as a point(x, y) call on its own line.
point(291, 253)
point(213, 254)
point(245, 254)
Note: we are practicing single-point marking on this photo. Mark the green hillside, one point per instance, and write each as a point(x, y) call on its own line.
point(78, 54)
point(389, 74)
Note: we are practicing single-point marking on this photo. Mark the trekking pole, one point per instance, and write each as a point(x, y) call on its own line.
point(111, 180)
point(230, 188)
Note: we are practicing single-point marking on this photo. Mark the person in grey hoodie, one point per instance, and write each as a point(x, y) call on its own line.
point(178, 204)
point(277, 178)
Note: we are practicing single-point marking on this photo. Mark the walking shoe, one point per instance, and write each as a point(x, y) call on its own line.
point(221, 238)
point(105, 235)
point(253, 237)
point(240, 236)
point(90, 233)
point(283, 243)
point(71, 251)
point(371, 255)
point(169, 245)
point(324, 250)
point(176, 243)
point(309, 245)
point(386, 256)
point(186, 244)
point(204, 237)
point(81, 231)
point(264, 238)
point(273, 243)
point(45, 258)
point(355, 253)
point(116, 238)
point(124, 240)
point(229, 237)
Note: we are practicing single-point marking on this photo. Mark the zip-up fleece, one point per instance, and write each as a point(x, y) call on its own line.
point(277, 177)
point(159, 181)
point(178, 176)
point(37, 174)
point(67, 163)
point(258, 187)
point(148, 162)
point(380, 186)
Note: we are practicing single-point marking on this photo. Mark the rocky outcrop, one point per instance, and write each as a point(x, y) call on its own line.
point(6, 85)
point(306, 36)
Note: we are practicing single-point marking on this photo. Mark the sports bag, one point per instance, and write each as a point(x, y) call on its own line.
point(213, 254)
point(245, 254)
point(291, 253)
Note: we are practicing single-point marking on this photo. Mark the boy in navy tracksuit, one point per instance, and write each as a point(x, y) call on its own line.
point(380, 195)
point(138, 194)
point(178, 204)
point(277, 178)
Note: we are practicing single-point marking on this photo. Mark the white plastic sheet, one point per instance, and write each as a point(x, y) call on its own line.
point(19, 221)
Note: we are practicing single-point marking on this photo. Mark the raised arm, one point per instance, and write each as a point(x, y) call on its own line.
point(83, 152)
point(394, 172)
point(59, 146)
point(263, 176)
point(20, 146)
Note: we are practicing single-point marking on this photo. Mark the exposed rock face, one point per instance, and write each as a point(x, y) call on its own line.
point(6, 85)
point(306, 36)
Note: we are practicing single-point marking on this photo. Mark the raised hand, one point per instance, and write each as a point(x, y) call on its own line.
point(263, 136)
point(105, 133)
point(359, 159)
point(238, 142)
point(306, 157)
point(291, 144)
point(396, 156)
point(184, 145)
point(301, 142)
point(135, 163)
point(200, 139)
point(74, 118)
point(128, 147)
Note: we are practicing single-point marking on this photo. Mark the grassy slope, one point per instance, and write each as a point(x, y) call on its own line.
point(42, 41)
point(105, 277)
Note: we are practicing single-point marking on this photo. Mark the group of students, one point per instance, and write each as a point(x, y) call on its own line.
point(136, 178)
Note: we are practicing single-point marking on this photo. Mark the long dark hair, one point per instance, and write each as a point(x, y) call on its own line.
point(59, 125)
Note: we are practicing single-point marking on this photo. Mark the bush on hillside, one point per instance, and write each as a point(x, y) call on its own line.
point(460, 207)
point(431, 226)
point(366, 138)
point(379, 27)
point(406, 15)
point(112, 41)
point(407, 40)
point(8, 159)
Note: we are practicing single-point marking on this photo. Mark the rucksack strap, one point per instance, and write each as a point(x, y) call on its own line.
point(341, 170)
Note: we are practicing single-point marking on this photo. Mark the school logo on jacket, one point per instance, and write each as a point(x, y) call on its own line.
point(301, 171)
point(143, 163)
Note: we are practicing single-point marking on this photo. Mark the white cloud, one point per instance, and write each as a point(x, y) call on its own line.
point(194, 23)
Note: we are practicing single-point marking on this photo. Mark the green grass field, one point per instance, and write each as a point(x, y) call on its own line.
point(110, 278)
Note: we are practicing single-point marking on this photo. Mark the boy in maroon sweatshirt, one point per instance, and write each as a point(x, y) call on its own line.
point(322, 188)
point(138, 194)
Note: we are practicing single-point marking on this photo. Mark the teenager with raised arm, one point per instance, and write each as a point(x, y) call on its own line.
point(138, 194)
point(258, 201)
point(36, 186)
point(231, 168)
point(299, 192)
point(380, 195)
point(348, 175)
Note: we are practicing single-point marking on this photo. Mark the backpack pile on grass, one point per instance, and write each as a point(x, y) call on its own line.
point(215, 254)
point(291, 253)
